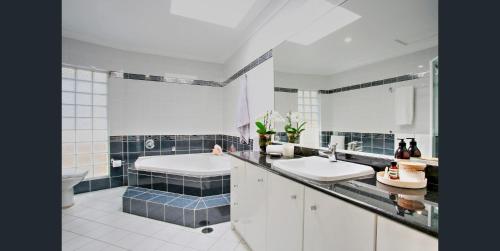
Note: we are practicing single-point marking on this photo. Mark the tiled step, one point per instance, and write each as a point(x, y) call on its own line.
point(180, 209)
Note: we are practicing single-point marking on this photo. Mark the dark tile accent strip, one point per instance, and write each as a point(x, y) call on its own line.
point(283, 89)
point(250, 66)
point(396, 79)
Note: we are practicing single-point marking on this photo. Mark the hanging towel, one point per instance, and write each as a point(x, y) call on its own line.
point(404, 100)
point(243, 117)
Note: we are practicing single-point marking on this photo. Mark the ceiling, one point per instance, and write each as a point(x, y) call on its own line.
point(149, 27)
point(414, 22)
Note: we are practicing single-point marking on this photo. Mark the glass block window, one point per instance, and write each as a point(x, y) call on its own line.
point(85, 121)
point(308, 106)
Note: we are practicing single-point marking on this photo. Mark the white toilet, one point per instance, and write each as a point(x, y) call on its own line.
point(70, 177)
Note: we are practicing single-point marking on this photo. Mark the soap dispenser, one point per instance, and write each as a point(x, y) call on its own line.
point(402, 152)
point(413, 149)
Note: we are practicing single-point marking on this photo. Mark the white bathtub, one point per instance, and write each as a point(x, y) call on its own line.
point(200, 164)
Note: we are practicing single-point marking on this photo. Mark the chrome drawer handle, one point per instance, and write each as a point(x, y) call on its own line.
point(260, 180)
point(235, 185)
point(293, 197)
point(313, 208)
point(236, 203)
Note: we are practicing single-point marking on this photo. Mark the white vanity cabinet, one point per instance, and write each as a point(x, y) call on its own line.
point(393, 236)
point(332, 224)
point(285, 212)
point(238, 176)
point(255, 211)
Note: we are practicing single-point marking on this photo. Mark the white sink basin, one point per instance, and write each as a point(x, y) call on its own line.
point(321, 169)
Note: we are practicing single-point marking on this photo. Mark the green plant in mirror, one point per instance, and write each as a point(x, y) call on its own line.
point(294, 126)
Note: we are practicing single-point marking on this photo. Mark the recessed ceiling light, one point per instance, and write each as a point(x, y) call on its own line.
point(227, 13)
point(347, 39)
point(334, 20)
point(420, 66)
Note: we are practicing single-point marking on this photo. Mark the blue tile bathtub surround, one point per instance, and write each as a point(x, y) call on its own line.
point(188, 185)
point(184, 210)
point(401, 78)
point(371, 142)
point(99, 184)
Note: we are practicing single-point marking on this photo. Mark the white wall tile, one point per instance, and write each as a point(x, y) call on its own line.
point(100, 112)
point(83, 86)
point(101, 169)
point(68, 160)
point(85, 147)
point(100, 88)
point(100, 147)
point(83, 75)
point(83, 123)
point(83, 160)
point(100, 135)
point(100, 77)
point(83, 111)
point(68, 72)
point(68, 110)
point(83, 135)
point(100, 100)
point(68, 124)
point(100, 158)
point(68, 85)
point(68, 148)
point(100, 124)
point(68, 98)
point(68, 136)
point(83, 99)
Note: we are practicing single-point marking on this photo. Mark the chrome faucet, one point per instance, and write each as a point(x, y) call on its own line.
point(332, 148)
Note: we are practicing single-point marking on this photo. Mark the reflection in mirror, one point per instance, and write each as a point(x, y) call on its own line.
point(363, 75)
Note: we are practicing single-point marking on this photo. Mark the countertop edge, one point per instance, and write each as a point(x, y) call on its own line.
point(343, 197)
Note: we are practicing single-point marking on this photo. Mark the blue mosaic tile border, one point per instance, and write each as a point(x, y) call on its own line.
point(189, 185)
point(378, 143)
point(184, 210)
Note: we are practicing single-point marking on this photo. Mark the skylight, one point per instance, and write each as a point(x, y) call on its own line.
point(228, 13)
point(325, 25)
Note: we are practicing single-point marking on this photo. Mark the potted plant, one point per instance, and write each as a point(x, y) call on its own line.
point(265, 128)
point(294, 126)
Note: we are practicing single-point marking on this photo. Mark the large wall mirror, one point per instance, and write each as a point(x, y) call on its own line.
point(362, 75)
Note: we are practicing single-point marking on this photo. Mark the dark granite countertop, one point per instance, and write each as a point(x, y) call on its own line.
point(416, 208)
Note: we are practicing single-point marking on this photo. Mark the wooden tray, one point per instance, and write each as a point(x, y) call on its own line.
point(398, 183)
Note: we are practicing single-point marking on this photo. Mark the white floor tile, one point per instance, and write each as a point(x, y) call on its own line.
point(167, 233)
point(93, 245)
point(170, 247)
point(131, 240)
point(201, 243)
point(112, 248)
point(114, 236)
point(183, 237)
point(66, 236)
point(149, 244)
point(99, 232)
point(221, 245)
point(75, 243)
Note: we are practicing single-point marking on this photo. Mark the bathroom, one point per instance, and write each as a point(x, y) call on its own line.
point(249, 125)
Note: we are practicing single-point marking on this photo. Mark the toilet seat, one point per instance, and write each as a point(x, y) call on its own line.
point(72, 173)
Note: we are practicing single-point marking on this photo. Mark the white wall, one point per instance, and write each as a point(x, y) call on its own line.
point(260, 87)
point(145, 107)
point(81, 53)
point(300, 81)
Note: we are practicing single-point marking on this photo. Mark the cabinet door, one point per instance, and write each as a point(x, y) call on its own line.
point(393, 236)
point(285, 214)
point(237, 193)
point(255, 207)
point(332, 224)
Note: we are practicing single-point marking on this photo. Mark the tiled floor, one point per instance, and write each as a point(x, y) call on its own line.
point(96, 222)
